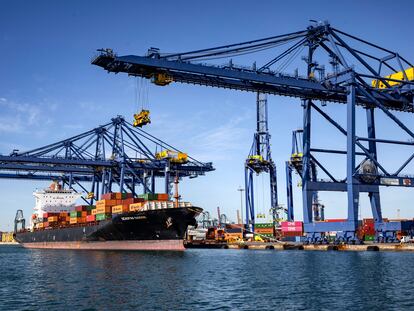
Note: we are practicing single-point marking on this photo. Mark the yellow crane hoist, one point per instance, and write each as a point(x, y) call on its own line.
point(172, 156)
point(255, 159)
point(142, 118)
point(161, 79)
point(395, 76)
point(296, 157)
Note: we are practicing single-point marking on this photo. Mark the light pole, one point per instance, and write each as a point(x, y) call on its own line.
point(241, 203)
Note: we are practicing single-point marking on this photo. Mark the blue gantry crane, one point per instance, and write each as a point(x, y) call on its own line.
point(296, 164)
point(115, 154)
point(362, 74)
point(260, 161)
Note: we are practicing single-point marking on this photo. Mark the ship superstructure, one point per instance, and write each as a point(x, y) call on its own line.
point(54, 200)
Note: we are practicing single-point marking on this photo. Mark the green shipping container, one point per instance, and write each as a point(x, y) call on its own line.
point(102, 216)
point(268, 225)
point(369, 237)
point(75, 214)
point(149, 196)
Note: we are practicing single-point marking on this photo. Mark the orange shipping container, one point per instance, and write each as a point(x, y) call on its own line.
point(118, 195)
point(136, 206)
point(94, 211)
point(101, 203)
point(52, 219)
point(84, 213)
point(163, 197)
point(103, 209)
point(40, 225)
point(117, 209)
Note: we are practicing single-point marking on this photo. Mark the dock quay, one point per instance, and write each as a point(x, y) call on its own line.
point(311, 247)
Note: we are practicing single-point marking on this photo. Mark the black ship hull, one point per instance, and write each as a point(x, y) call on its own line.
point(162, 229)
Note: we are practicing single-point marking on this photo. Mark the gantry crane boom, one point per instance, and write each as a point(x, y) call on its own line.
point(182, 67)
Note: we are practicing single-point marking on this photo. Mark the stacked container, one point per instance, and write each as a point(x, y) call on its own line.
point(264, 229)
point(292, 228)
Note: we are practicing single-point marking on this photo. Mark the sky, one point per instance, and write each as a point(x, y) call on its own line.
point(50, 91)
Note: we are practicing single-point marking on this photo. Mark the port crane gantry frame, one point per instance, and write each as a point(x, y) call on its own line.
point(355, 63)
point(112, 154)
point(260, 161)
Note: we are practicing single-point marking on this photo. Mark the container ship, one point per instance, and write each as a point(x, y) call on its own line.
point(119, 221)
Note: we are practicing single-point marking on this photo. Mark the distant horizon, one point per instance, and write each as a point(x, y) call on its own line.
point(49, 90)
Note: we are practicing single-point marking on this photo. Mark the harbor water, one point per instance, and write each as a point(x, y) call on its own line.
point(204, 280)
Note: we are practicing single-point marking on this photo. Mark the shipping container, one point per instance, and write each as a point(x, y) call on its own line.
point(118, 195)
point(103, 209)
point(94, 211)
point(149, 196)
point(108, 196)
point(102, 216)
point(263, 225)
point(46, 215)
point(127, 195)
point(103, 203)
point(77, 220)
point(369, 237)
point(75, 214)
point(132, 200)
point(291, 224)
point(290, 229)
point(292, 233)
point(90, 218)
point(136, 206)
point(163, 197)
point(52, 219)
point(117, 209)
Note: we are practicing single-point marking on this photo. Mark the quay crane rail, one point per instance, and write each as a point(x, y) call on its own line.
point(355, 64)
point(115, 153)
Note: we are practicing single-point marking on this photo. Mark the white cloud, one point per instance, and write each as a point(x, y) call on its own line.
point(23, 117)
point(220, 143)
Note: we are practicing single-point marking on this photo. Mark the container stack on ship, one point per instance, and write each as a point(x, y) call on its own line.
point(119, 221)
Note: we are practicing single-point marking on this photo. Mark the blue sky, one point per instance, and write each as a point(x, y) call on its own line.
point(49, 90)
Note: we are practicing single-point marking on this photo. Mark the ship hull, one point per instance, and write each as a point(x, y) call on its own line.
point(149, 245)
point(162, 229)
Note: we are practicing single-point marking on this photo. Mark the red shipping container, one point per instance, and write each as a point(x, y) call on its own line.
point(335, 220)
point(132, 201)
point(80, 208)
point(292, 229)
point(291, 224)
point(128, 195)
point(292, 233)
point(90, 218)
point(47, 215)
point(108, 196)
point(163, 197)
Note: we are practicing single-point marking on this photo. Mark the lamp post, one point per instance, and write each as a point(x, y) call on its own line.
point(241, 203)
